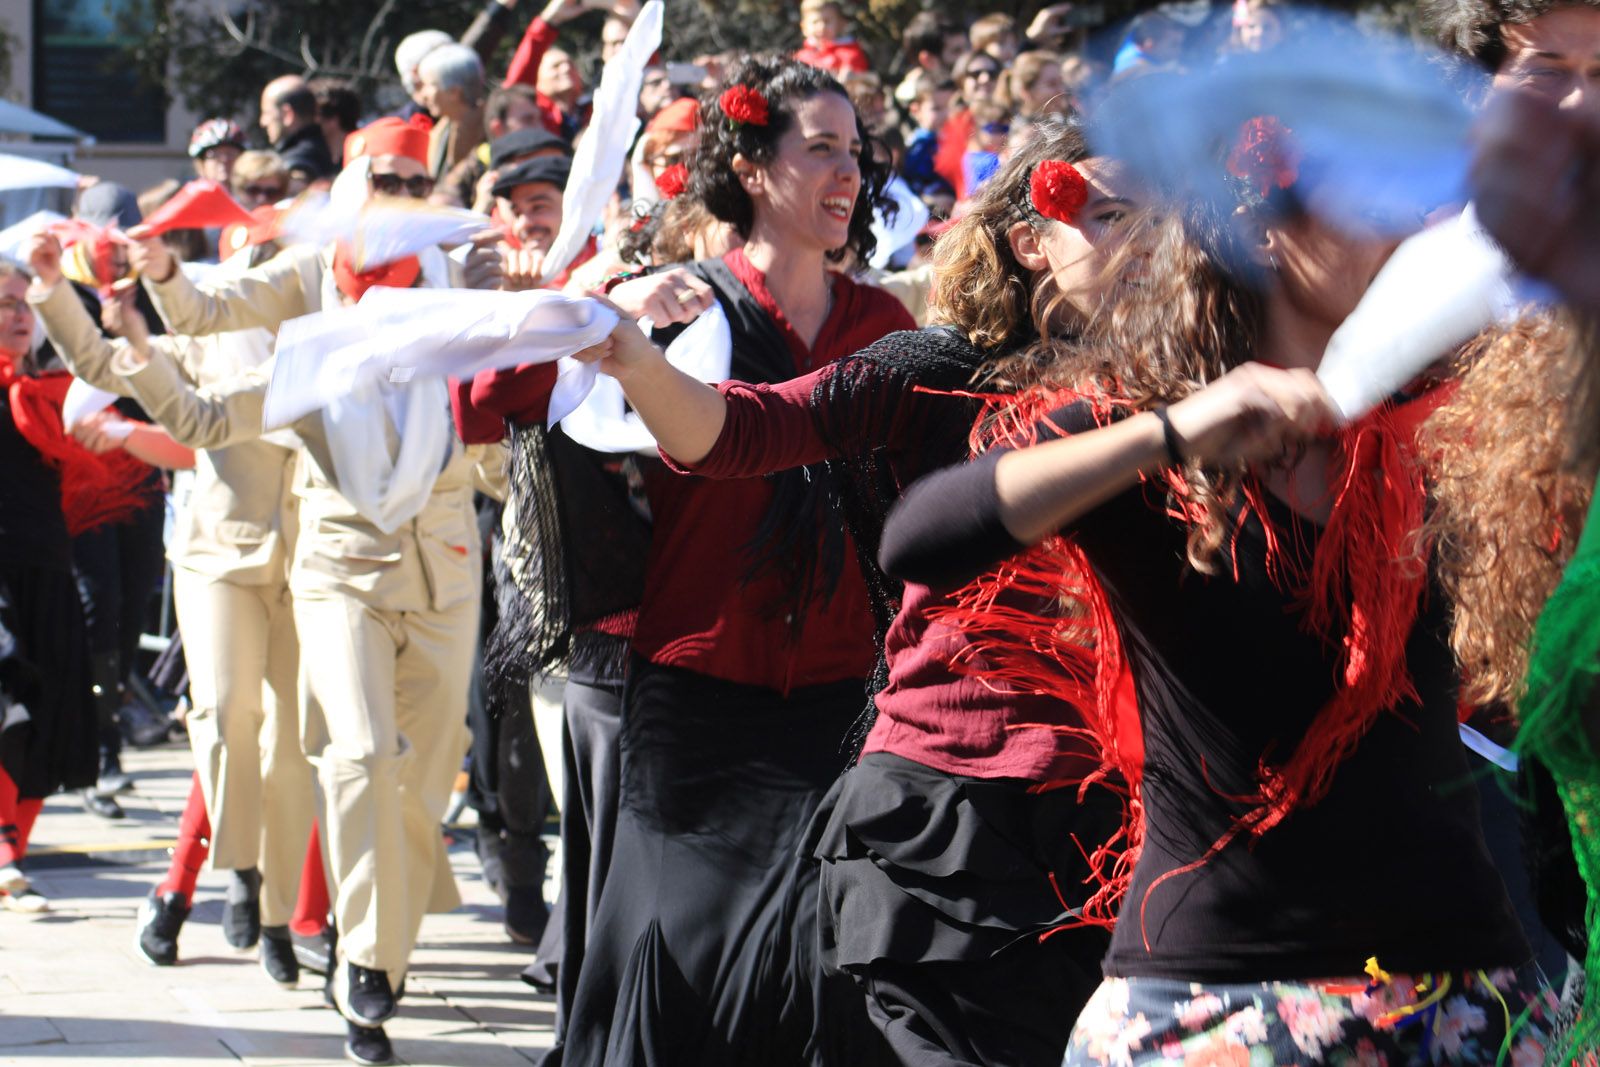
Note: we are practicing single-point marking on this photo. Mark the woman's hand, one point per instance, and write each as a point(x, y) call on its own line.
point(624, 352)
point(44, 257)
point(104, 431)
point(1254, 413)
point(665, 298)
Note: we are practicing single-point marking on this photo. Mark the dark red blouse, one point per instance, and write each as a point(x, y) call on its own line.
point(929, 713)
point(698, 613)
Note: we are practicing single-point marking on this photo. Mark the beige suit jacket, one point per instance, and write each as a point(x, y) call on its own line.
point(430, 563)
point(239, 524)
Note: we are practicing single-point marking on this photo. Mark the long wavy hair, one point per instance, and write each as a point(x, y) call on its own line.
point(979, 287)
point(1196, 313)
point(1512, 459)
point(784, 83)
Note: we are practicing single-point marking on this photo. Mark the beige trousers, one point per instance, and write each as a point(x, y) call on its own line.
point(239, 643)
point(384, 695)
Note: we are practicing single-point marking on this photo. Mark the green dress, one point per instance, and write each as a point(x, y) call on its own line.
point(1562, 670)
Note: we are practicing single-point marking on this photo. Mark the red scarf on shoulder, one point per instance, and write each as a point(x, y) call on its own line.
point(95, 489)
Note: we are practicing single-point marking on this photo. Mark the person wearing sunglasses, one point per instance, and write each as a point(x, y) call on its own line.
point(260, 177)
point(389, 606)
point(977, 77)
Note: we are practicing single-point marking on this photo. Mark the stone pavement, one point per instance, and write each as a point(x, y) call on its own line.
point(74, 989)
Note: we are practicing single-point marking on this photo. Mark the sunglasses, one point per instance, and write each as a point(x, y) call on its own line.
point(983, 74)
point(264, 192)
point(996, 128)
point(392, 185)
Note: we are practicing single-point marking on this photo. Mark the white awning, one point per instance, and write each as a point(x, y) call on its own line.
point(14, 118)
point(20, 172)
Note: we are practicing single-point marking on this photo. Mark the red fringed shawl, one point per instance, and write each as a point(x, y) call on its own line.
point(1362, 594)
point(95, 489)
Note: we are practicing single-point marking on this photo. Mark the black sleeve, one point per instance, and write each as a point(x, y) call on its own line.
point(946, 529)
point(487, 31)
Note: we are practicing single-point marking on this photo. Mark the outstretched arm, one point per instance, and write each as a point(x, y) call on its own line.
point(954, 524)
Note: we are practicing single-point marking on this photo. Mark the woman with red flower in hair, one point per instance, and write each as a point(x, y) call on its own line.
point(941, 945)
point(1309, 880)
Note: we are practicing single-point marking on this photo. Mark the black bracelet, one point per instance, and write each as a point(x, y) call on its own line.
point(1169, 436)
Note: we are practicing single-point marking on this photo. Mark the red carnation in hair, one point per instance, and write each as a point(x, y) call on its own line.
point(1058, 191)
point(1264, 156)
point(673, 181)
point(743, 104)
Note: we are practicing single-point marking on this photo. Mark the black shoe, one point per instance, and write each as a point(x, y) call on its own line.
point(526, 915)
point(363, 995)
point(141, 727)
point(241, 912)
point(105, 807)
point(160, 919)
point(113, 783)
point(313, 953)
point(540, 975)
point(277, 956)
point(367, 1044)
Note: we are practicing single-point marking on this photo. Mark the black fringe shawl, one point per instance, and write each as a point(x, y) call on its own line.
point(861, 407)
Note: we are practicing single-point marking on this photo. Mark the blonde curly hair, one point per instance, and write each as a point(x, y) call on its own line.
point(1512, 478)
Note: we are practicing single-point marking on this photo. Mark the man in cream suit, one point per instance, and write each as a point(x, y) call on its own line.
point(386, 576)
point(230, 555)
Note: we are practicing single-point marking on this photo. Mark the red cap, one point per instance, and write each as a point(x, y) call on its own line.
point(680, 116)
point(390, 136)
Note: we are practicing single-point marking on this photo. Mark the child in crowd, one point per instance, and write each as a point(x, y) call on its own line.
point(928, 111)
point(828, 41)
point(991, 123)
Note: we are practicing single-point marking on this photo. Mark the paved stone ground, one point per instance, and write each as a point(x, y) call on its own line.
point(74, 989)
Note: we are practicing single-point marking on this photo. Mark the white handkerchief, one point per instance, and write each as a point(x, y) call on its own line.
point(1439, 289)
point(82, 401)
point(603, 422)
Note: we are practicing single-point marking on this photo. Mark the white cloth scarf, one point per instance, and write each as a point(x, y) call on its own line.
point(387, 489)
point(592, 409)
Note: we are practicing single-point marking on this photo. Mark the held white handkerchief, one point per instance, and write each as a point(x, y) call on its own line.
point(82, 401)
point(602, 421)
point(603, 150)
point(404, 335)
point(1439, 289)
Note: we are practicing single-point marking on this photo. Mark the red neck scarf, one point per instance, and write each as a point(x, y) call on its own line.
point(95, 489)
point(401, 274)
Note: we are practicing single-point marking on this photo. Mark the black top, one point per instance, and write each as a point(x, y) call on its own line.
point(306, 150)
point(33, 532)
point(1391, 863)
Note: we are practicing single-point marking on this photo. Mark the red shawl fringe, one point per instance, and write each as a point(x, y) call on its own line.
point(1362, 594)
point(95, 489)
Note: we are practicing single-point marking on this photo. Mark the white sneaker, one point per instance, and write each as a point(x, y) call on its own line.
point(12, 880)
point(27, 901)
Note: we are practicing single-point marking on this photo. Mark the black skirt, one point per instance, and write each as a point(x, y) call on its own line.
point(704, 946)
point(44, 669)
point(936, 890)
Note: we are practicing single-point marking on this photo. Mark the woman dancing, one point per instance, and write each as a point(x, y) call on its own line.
point(944, 949)
point(1311, 882)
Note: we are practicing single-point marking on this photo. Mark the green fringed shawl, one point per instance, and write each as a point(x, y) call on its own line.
point(1562, 669)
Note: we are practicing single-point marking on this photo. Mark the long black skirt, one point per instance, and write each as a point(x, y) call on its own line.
point(44, 670)
point(704, 947)
point(936, 891)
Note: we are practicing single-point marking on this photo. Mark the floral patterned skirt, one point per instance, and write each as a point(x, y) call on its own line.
point(1381, 1021)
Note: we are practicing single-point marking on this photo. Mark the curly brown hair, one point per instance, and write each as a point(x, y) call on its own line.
point(784, 83)
point(1197, 313)
point(979, 287)
point(1509, 499)
point(1472, 27)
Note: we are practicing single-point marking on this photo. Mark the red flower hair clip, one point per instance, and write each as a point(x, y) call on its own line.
point(743, 106)
point(1058, 191)
point(1264, 156)
point(673, 181)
